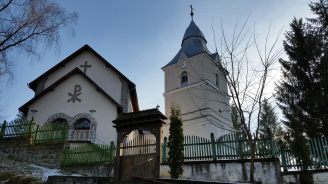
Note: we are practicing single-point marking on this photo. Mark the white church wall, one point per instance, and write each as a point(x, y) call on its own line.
point(204, 106)
point(197, 101)
point(56, 102)
point(98, 72)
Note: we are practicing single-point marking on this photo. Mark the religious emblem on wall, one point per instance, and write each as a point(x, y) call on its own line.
point(75, 95)
point(85, 66)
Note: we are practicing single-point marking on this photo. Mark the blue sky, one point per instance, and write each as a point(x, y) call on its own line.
point(139, 37)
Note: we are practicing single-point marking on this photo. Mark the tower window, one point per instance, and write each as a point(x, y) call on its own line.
point(217, 82)
point(184, 78)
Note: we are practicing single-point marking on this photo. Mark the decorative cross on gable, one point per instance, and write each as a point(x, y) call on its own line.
point(85, 66)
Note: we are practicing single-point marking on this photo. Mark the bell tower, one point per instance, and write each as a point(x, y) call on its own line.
point(195, 81)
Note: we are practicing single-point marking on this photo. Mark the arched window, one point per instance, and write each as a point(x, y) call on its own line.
point(82, 124)
point(184, 78)
point(59, 122)
point(217, 82)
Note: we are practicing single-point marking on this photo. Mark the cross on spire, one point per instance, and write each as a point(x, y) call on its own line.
point(85, 66)
point(191, 11)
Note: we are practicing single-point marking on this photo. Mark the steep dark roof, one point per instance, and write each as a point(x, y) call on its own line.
point(24, 108)
point(86, 47)
point(193, 43)
point(193, 31)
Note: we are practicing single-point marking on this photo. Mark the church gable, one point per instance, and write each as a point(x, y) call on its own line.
point(98, 69)
point(73, 93)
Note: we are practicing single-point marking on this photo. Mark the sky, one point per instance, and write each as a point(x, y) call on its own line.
point(140, 37)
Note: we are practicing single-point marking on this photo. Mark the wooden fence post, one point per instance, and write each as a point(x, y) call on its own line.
point(112, 148)
point(164, 150)
point(36, 133)
point(283, 156)
point(30, 129)
point(213, 147)
point(3, 129)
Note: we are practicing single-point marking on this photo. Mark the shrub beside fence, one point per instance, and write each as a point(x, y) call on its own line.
point(89, 154)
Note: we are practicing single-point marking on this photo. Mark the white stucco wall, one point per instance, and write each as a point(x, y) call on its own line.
point(56, 102)
point(267, 171)
point(318, 178)
point(204, 106)
point(102, 75)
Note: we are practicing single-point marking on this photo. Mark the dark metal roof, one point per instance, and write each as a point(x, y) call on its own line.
point(144, 116)
point(193, 31)
point(24, 108)
point(193, 43)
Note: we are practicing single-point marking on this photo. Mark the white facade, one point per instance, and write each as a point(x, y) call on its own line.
point(202, 99)
point(69, 92)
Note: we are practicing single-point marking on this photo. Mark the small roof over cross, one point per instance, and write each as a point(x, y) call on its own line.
point(85, 66)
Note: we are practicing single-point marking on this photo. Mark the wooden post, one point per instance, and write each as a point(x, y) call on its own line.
point(120, 137)
point(158, 133)
point(111, 154)
point(213, 146)
point(30, 129)
point(283, 156)
point(164, 150)
point(36, 133)
point(3, 129)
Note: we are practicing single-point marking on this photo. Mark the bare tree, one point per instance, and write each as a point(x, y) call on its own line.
point(247, 78)
point(26, 24)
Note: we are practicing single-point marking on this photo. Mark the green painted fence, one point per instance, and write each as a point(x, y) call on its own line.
point(49, 133)
point(318, 153)
point(89, 154)
point(230, 146)
point(22, 129)
point(36, 134)
point(235, 146)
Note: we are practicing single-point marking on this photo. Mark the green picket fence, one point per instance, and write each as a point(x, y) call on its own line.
point(39, 135)
point(49, 133)
point(318, 154)
point(10, 130)
point(230, 146)
point(89, 154)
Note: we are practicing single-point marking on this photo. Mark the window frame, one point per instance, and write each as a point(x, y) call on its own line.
point(183, 78)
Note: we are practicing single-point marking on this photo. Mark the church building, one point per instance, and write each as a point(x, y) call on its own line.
point(195, 81)
point(85, 92)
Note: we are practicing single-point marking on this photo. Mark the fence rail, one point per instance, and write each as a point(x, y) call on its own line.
point(89, 154)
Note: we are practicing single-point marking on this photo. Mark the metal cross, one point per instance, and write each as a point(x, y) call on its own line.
point(191, 11)
point(85, 66)
point(76, 93)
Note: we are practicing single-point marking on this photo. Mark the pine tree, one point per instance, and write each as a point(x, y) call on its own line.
point(292, 92)
point(268, 126)
point(303, 92)
point(175, 144)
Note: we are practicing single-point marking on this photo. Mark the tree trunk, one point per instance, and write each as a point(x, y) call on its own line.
point(251, 173)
